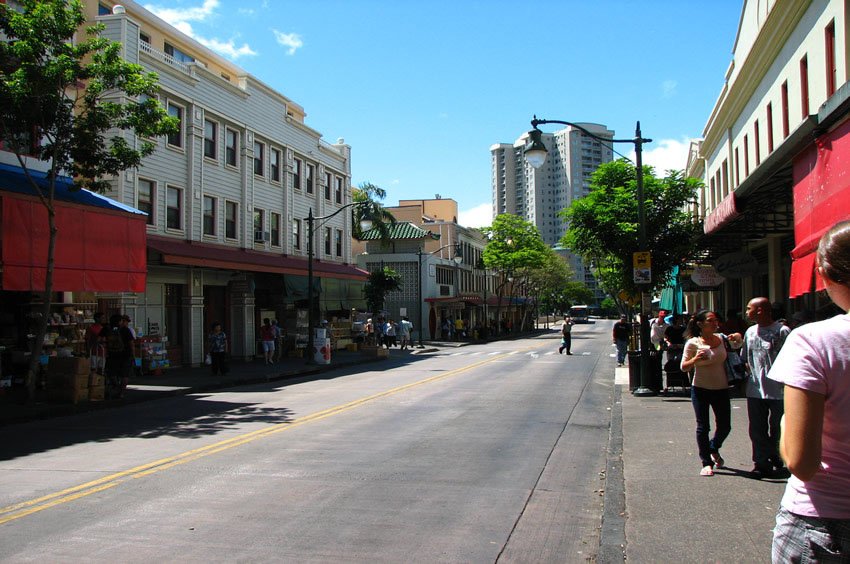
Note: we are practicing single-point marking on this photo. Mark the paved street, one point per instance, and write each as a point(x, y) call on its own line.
point(492, 454)
point(499, 452)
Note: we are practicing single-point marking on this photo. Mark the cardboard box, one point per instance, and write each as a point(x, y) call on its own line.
point(68, 381)
point(68, 365)
point(351, 347)
point(97, 393)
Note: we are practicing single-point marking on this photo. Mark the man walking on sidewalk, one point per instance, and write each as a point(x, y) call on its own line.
point(762, 342)
point(622, 330)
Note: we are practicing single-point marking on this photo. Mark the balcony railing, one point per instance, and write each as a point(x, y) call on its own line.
point(164, 57)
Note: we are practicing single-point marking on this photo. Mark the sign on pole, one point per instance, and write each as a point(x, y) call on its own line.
point(642, 264)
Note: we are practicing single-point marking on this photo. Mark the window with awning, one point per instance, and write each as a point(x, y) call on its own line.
point(821, 199)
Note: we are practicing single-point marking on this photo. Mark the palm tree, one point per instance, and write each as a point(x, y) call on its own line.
point(376, 213)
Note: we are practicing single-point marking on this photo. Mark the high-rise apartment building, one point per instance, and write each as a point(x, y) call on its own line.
point(538, 195)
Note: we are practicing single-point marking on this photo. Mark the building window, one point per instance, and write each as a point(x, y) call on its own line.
point(177, 54)
point(231, 211)
point(296, 233)
point(831, 71)
point(328, 179)
point(746, 156)
point(144, 38)
point(725, 170)
point(296, 174)
point(757, 142)
point(259, 158)
point(146, 199)
point(737, 168)
point(210, 137)
point(259, 225)
point(327, 240)
point(209, 215)
point(231, 149)
point(785, 127)
point(274, 163)
point(174, 208)
point(770, 127)
point(176, 139)
point(338, 242)
point(338, 190)
point(275, 229)
point(804, 86)
point(308, 178)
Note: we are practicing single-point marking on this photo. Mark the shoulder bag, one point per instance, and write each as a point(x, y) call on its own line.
point(736, 372)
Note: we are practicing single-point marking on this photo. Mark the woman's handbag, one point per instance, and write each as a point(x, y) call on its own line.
point(736, 372)
point(208, 359)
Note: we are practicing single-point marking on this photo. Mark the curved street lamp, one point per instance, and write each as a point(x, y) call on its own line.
point(458, 258)
point(365, 225)
point(535, 153)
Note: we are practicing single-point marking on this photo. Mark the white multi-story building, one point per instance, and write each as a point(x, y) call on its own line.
point(774, 153)
point(538, 195)
point(227, 197)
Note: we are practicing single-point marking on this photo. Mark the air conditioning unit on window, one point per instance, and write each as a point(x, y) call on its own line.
point(262, 236)
point(445, 290)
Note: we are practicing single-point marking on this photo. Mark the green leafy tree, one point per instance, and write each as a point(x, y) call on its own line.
point(66, 98)
point(515, 247)
point(547, 280)
point(576, 292)
point(375, 212)
point(603, 226)
point(380, 283)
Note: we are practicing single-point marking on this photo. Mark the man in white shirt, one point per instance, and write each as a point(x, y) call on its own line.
point(656, 330)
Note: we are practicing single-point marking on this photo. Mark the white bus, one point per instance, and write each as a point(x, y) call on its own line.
point(579, 314)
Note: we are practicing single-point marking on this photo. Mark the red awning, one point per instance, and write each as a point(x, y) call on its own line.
point(191, 253)
point(821, 199)
point(97, 249)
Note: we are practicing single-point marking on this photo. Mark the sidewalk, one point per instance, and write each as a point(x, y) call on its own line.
point(673, 513)
point(186, 380)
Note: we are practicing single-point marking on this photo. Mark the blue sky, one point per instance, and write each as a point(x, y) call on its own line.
point(422, 89)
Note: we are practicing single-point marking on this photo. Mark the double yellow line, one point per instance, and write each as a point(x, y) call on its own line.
point(24, 508)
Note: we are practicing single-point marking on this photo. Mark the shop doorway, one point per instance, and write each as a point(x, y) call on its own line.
point(216, 308)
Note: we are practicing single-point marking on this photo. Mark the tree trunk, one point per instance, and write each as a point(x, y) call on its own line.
point(46, 296)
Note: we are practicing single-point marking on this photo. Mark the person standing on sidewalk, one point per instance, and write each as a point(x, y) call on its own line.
point(762, 343)
point(218, 350)
point(813, 523)
point(267, 338)
point(657, 327)
point(622, 330)
point(566, 335)
point(406, 329)
point(705, 354)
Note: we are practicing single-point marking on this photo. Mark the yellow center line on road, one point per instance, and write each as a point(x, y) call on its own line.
point(24, 508)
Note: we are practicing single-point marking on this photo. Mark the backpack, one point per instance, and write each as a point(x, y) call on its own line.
point(114, 342)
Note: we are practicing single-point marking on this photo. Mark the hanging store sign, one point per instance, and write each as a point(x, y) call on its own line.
point(706, 276)
point(736, 265)
point(726, 211)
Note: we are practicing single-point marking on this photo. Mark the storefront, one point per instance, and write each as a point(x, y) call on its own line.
point(99, 253)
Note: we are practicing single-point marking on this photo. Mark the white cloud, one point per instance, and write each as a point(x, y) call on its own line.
point(666, 154)
point(291, 40)
point(181, 18)
point(668, 88)
point(479, 216)
point(228, 49)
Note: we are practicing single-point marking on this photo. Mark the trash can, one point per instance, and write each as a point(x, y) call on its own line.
point(655, 380)
point(634, 370)
point(321, 347)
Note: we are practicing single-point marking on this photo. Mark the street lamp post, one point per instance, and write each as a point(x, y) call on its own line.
point(458, 258)
point(311, 220)
point(535, 154)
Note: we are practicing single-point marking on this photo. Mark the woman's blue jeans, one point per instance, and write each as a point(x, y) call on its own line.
point(718, 401)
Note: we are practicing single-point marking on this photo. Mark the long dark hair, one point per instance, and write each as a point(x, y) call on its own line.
point(834, 253)
point(694, 330)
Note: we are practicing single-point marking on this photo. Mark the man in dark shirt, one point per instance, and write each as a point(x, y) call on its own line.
point(622, 330)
